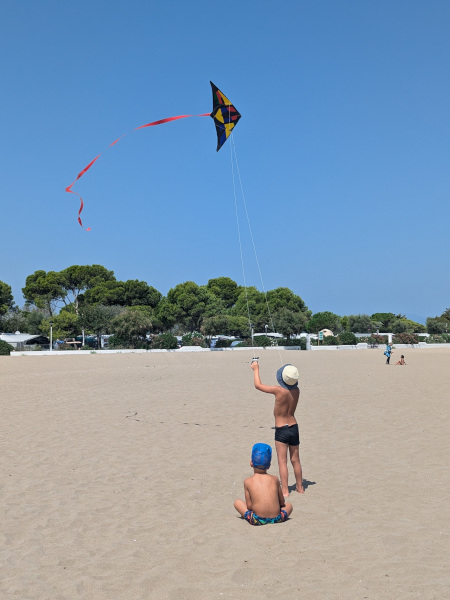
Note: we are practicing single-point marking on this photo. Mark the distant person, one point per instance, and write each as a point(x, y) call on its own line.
point(388, 352)
point(264, 501)
point(286, 428)
point(401, 361)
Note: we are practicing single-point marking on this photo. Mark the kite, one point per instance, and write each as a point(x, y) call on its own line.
point(224, 115)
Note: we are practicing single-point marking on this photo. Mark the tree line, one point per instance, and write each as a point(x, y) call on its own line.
point(88, 299)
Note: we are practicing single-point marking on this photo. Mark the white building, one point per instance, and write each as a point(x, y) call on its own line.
point(23, 341)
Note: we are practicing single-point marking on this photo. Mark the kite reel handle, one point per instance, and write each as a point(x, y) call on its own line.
point(255, 359)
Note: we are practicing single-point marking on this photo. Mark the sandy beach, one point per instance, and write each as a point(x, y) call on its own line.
point(119, 473)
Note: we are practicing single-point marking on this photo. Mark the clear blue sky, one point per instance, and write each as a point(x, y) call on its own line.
point(343, 145)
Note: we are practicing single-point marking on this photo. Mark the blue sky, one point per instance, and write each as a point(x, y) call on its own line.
point(343, 146)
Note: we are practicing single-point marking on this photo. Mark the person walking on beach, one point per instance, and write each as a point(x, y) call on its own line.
point(388, 352)
point(286, 428)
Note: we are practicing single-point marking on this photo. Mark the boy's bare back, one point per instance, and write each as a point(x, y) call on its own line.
point(285, 405)
point(263, 495)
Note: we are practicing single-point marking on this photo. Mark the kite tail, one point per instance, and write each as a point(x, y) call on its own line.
point(81, 173)
point(68, 189)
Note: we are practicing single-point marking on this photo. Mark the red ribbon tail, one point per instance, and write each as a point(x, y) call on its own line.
point(68, 189)
point(81, 173)
point(81, 209)
point(161, 121)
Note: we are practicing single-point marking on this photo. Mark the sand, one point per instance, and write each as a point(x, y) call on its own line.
point(119, 473)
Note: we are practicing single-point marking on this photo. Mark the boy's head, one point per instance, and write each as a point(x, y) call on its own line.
point(287, 377)
point(261, 456)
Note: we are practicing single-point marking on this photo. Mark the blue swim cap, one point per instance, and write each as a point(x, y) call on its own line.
point(261, 456)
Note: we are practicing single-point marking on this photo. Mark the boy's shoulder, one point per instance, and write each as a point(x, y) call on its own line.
point(267, 477)
point(274, 478)
point(281, 392)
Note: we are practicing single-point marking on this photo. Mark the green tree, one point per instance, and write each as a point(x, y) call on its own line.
point(324, 320)
point(98, 319)
point(187, 304)
point(5, 348)
point(51, 290)
point(360, 323)
point(439, 325)
point(34, 318)
point(123, 293)
point(283, 297)
point(330, 340)
point(217, 325)
point(347, 338)
point(213, 305)
point(165, 315)
point(252, 304)
point(239, 326)
point(165, 341)
point(224, 288)
point(44, 290)
point(384, 319)
point(65, 324)
point(226, 325)
point(14, 320)
point(413, 327)
point(446, 314)
point(436, 325)
point(406, 326)
point(25, 321)
point(262, 341)
point(261, 308)
point(131, 326)
point(79, 278)
point(6, 298)
point(288, 322)
point(193, 338)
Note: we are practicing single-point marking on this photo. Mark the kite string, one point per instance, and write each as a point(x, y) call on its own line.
point(240, 249)
point(240, 246)
point(234, 154)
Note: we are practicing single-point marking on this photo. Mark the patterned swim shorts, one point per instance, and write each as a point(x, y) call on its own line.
point(253, 519)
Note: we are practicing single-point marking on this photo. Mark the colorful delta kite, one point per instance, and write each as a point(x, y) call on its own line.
point(224, 115)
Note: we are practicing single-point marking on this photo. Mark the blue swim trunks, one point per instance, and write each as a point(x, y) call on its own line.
point(253, 519)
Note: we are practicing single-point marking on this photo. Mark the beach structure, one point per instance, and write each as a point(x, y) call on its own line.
point(22, 341)
point(326, 332)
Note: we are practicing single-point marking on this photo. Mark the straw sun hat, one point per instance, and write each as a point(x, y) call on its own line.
point(287, 377)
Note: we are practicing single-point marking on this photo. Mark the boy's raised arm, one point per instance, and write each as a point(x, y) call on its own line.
point(269, 389)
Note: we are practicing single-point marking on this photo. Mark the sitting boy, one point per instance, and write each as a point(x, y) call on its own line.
point(401, 361)
point(264, 502)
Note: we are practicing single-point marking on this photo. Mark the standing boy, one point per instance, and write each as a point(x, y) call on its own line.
point(286, 427)
point(264, 502)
